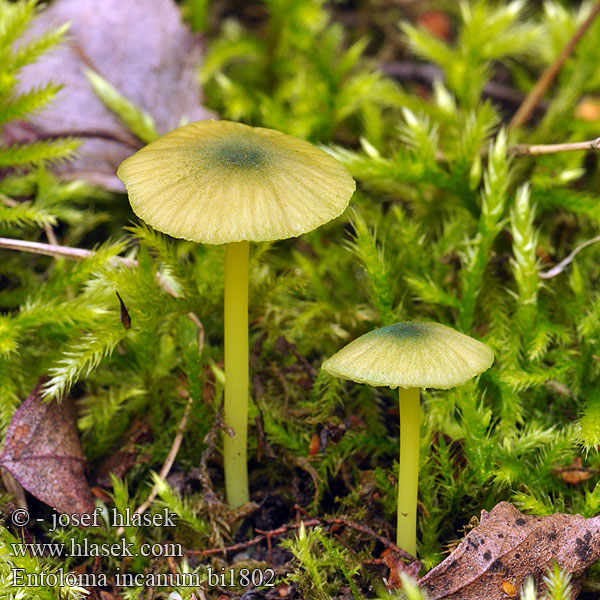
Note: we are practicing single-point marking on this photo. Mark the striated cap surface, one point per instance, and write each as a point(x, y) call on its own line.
point(412, 354)
point(217, 181)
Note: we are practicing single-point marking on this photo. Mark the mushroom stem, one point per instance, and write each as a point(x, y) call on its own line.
point(408, 469)
point(236, 372)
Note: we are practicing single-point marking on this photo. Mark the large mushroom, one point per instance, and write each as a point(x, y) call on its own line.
point(410, 356)
point(219, 182)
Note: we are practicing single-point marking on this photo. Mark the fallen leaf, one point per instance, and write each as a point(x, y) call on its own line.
point(508, 546)
point(43, 453)
point(575, 473)
point(396, 566)
point(142, 49)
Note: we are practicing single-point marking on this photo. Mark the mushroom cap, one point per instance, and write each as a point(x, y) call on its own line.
point(217, 182)
point(411, 354)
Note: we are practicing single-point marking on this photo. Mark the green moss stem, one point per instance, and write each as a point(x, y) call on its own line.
point(236, 372)
point(408, 472)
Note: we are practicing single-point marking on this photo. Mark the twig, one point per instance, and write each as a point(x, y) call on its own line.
point(47, 227)
point(549, 75)
point(369, 532)
point(55, 250)
point(562, 265)
point(536, 149)
point(90, 133)
point(268, 535)
point(79, 254)
point(210, 441)
point(8, 201)
point(220, 515)
point(255, 540)
point(143, 507)
point(50, 234)
point(533, 150)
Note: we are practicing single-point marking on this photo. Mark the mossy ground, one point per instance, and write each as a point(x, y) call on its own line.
point(449, 223)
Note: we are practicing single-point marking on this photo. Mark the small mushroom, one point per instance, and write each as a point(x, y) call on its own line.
point(218, 182)
point(410, 356)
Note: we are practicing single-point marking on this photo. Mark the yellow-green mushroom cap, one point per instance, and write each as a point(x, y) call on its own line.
point(412, 354)
point(216, 182)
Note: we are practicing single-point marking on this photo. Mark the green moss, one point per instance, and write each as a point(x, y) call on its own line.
point(448, 226)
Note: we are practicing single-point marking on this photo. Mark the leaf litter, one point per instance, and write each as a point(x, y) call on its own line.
point(142, 49)
point(43, 452)
point(498, 555)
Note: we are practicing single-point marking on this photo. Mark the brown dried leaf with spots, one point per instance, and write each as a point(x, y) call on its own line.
point(496, 557)
point(43, 453)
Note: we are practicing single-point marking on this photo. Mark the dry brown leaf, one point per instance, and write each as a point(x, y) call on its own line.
point(396, 566)
point(496, 557)
point(142, 48)
point(43, 453)
point(575, 473)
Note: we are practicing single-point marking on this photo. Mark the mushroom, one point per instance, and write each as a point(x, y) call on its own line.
point(410, 356)
point(219, 182)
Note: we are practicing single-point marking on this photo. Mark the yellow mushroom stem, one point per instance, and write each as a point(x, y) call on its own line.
point(408, 470)
point(236, 372)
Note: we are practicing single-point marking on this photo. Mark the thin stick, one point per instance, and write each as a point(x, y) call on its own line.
point(50, 234)
point(537, 149)
point(254, 541)
point(8, 201)
point(55, 251)
point(549, 75)
point(90, 133)
point(368, 531)
point(309, 523)
point(562, 265)
point(47, 227)
point(143, 507)
point(534, 150)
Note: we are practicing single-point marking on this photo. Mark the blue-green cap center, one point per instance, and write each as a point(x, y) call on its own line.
point(240, 153)
point(407, 329)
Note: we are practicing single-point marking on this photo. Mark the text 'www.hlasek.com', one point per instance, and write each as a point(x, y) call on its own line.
point(84, 547)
